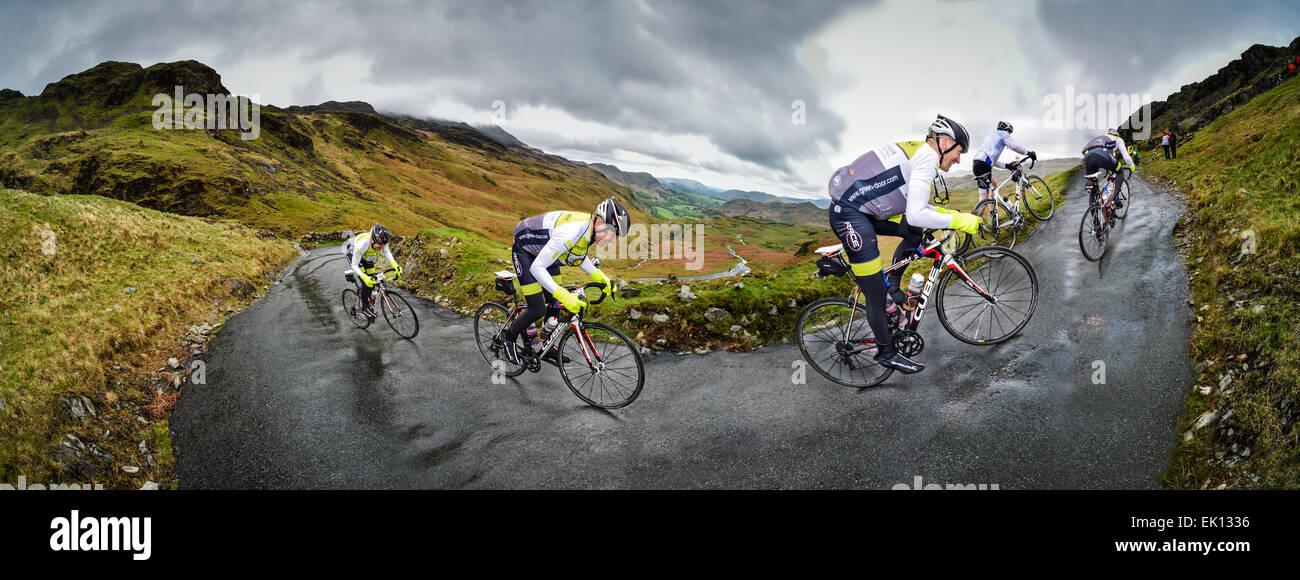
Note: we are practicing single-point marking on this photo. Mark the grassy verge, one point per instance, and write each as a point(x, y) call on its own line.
point(1239, 238)
point(100, 294)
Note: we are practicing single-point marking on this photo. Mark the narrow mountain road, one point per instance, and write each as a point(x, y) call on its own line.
point(299, 398)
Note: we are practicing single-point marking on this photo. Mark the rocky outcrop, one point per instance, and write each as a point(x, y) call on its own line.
point(1198, 104)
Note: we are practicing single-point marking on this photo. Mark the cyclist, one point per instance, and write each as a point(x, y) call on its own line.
point(887, 191)
point(986, 157)
point(1135, 154)
point(544, 242)
point(361, 252)
point(1100, 153)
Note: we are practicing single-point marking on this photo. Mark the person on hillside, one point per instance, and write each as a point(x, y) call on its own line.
point(544, 242)
point(1164, 142)
point(361, 252)
point(887, 191)
point(1173, 144)
point(1105, 153)
point(1135, 154)
point(986, 157)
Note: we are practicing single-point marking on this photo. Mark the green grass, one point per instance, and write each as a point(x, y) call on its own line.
point(68, 321)
point(1239, 174)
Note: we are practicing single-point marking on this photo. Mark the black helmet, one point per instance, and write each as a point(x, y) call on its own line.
point(379, 234)
point(613, 213)
point(944, 126)
point(1004, 126)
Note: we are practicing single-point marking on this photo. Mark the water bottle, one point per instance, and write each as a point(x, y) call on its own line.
point(914, 291)
point(550, 324)
point(533, 340)
point(891, 308)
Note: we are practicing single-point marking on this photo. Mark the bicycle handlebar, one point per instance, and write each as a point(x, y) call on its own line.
point(597, 285)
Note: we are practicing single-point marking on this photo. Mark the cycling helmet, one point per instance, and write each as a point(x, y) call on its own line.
point(1112, 132)
point(379, 235)
point(944, 126)
point(1004, 126)
point(614, 214)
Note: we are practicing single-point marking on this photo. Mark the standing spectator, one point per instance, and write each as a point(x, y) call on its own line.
point(1173, 144)
point(1164, 142)
point(1290, 68)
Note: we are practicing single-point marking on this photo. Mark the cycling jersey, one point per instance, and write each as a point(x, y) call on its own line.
point(991, 148)
point(891, 180)
point(553, 237)
point(1108, 145)
point(361, 253)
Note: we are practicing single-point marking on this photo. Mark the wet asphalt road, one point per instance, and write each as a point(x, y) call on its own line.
point(298, 398)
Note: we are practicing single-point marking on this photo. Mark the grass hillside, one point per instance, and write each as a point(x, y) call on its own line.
point(99, 294)
point(1239, 238)
point(322, 168)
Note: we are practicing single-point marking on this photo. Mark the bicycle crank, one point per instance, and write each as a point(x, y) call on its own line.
point(908, 343)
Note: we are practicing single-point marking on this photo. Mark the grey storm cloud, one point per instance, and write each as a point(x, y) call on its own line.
point(1124, 45)
point(725, 70)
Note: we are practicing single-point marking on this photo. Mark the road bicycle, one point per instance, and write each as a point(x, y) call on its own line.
point(1001, 219)
point(598, 363)
point(396, 310)
point(1099, 218)
point(984, 297)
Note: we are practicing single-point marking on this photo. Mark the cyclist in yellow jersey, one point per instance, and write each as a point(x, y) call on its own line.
point(361, 252)
point(542, 244)
point(887, 191)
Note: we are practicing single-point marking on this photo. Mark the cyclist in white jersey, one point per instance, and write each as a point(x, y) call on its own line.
point(986, 157)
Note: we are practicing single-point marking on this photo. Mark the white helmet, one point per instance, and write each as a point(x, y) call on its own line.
point(613, 213)
point(944, 126)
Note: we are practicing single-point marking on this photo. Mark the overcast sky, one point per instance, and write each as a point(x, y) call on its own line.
point(690, 88)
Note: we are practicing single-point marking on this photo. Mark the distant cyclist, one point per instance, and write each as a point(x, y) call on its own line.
point(1105, 152)
point(544, 242)
point(361, 252)
point(986, 157)
point(887, 191)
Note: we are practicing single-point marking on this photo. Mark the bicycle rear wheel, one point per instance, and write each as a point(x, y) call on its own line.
point(1093, 231)
point(989, 298)
point(601, 366)
point(1038, 198)
point(400, 315)
point(840, 350)
point(352, 307)
point(996, 225)
point(489, 320)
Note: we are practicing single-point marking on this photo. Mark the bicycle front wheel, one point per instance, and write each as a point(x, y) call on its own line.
point(996, 225)
point(1093, 231)
point(489, 320)
point(352, 307)
point(601, 366)
point(989, 297)
point(1122, 198)
point(400, 315)
point(1038, 198)
point(837, 342)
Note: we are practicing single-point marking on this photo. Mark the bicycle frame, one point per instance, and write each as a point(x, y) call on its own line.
point(574, 321)
point(942, 259)
point(1013, 207)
